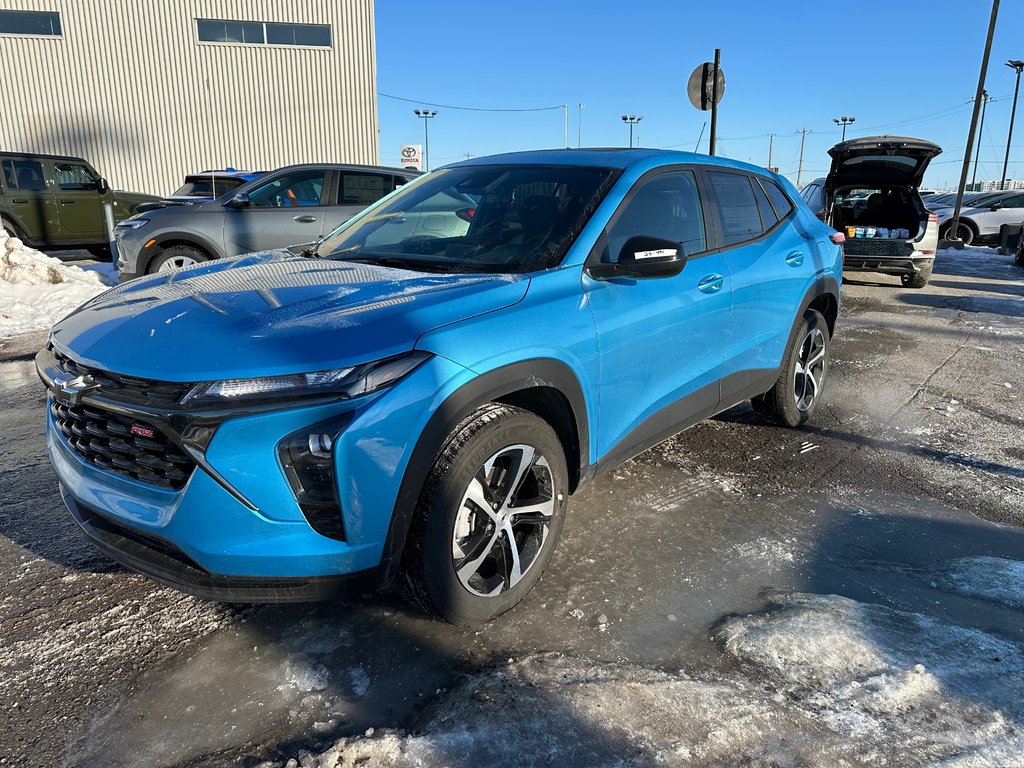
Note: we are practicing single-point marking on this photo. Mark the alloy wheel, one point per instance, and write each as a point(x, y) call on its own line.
point(810, 369)
point(176, 262)
point(503, 520)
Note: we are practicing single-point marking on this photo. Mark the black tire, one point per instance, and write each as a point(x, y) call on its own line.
point(100, 252)
point(10, 229)
point(964, 228)
point(789, 403)
point(1019, 261)
point(176, 253)
point(428, 575)
point(918, 279)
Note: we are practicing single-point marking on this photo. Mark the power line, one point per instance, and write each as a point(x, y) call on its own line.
point(468, 109)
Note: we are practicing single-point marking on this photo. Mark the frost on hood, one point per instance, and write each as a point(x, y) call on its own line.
point(37, 290)
point(811, 681)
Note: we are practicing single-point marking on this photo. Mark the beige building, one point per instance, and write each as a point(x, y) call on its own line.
point(149, 90)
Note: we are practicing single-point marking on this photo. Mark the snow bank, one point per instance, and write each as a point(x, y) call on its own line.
point(37, 290)
point(813, 680)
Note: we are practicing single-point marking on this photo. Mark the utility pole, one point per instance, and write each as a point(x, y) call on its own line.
point(714, 103)
point(981, 127)
point(565, 126)
point(426, 114)
point(800, 166)
point(579, 124)
point(771, 141)
point(1017, 66)
point(954, 223)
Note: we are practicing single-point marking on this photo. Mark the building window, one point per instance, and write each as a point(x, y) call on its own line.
point(46, 23)
point(263, 33)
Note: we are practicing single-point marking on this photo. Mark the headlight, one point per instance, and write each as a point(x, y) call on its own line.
point(132, 223)
point(343, 382)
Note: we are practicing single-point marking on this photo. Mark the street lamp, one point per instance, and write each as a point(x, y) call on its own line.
point(631, 120)
point(1017, 65)
point(426, 114)
point(579, 124)
point(845, 122)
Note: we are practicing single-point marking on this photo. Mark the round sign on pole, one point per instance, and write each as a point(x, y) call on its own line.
point(700, 86)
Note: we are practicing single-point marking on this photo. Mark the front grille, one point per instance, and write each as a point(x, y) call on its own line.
point(126, 388)
point(106, 439)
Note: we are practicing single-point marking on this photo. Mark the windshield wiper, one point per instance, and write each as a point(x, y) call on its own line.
point(385, 261)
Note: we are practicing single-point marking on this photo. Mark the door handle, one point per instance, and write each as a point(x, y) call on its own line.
point(305, 218)
point(795, 259)
point(710, 284)
point(20, 201)
point(67, 202)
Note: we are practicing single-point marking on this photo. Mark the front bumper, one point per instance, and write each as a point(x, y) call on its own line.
point(164, 562)
point(234, 528)
point(128, 247)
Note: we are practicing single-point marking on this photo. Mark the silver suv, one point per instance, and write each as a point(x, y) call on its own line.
point(295, 204)
point(871, 194)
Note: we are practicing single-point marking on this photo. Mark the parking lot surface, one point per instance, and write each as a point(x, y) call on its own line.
point(849, 593)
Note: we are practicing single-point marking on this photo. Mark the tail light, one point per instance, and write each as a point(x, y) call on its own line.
point(837, 237)
point(933, 219)
point(466, 214)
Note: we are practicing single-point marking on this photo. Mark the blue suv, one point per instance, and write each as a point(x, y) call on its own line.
point(414, 398)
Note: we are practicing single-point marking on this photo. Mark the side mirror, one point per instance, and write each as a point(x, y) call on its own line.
point(995, 206)
point(241, 200)
point(643, 257)
point(102, 186)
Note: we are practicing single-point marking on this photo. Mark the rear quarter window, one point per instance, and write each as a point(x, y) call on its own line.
point(780, 200)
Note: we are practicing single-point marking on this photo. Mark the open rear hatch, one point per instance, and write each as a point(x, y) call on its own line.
point(871, 189)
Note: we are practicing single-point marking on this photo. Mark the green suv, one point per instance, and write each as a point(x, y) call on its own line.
point(54, 201)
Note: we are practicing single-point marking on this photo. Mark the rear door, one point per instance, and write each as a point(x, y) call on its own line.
point(79, 203)
point(771, 264)
point(1010, 211)
point(287, 208)
point(661, 341)
point(29, 198)
point(354, 191)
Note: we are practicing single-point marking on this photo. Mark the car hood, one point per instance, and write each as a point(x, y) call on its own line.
point(875, 161)
point(271, 313)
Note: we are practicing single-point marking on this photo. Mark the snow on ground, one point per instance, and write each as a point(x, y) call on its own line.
point(813, 680)
point(994, 579)
point(37, 290)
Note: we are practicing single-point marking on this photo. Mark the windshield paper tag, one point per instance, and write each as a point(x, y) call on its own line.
point(655, 254)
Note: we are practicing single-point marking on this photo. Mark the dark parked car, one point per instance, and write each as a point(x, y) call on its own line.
point(203, 187)
point(260, 215)
point(56, 201)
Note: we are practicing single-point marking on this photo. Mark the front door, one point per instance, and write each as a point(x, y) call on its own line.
point(79, 203)
point(661, 341)
point(286, 209)
point(29, 198)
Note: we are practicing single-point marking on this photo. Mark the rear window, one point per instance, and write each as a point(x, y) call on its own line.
point(204, 186)
point(737, 207)
point(24, 174)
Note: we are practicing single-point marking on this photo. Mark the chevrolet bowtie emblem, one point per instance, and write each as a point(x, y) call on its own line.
point(70, 389)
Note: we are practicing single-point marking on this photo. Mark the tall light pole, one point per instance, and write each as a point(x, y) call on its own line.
point(426, 114)
point(845, 122)
point(1017, 65)
point(981, 127)
point(631, 120)
point(579, 124)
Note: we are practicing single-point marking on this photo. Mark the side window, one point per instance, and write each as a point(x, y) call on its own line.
point(73, 176)
point(1014, 201)
point(814, 197)
point(667, 206)
point(737, 207)
point(294, 188)
point(768, 217)
point(780, 201)
point(363, 188)
point(24, 174)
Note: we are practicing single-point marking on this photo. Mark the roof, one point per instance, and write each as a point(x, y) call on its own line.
point(40, 156)
point(226, 174)
point(352, 167)
point(605, 157)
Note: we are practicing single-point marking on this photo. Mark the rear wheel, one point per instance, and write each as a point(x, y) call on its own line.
point(793, 398)
point(964, 232)
point(489, 516)
point(177, 256)
point(9, 228)
point(918, 279)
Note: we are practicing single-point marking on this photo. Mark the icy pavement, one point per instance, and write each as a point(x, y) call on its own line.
point(37, 290)
point(811, 680)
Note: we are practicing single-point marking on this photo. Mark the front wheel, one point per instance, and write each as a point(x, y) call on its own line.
point(918, 279)
point(489, 516)
point(964, 232)
point(795, 395)
point(176, 257)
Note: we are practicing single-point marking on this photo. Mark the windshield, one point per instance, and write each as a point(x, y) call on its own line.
point(204, 186)
point(490, 218)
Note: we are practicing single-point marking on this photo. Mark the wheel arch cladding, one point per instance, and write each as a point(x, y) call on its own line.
point(822, 296)
point(545, 387)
